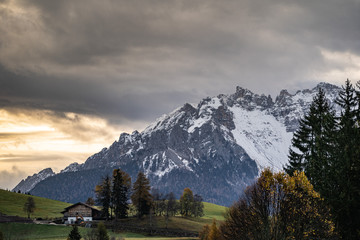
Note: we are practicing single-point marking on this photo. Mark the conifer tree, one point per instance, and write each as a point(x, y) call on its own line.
point(329, 153)
point(313, 144)
point(102, 233)
point(74, 234)
point(103, 196)
point(346, 190)
point(120, 193)
point(141, 197)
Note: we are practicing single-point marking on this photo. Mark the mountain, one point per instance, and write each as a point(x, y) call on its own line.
point(29, 183)
point(216, 148)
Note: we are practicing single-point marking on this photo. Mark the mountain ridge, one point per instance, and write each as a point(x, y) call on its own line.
point(218, 146)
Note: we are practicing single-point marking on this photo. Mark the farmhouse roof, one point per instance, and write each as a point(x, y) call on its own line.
point(80, 203)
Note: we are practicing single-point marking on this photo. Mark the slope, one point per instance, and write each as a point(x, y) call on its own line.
point(12, 204)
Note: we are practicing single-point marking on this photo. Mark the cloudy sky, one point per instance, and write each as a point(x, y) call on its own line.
point(76, 74)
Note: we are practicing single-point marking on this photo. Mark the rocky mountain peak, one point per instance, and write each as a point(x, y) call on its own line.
point(250, 100)
point(283, 97)
point(216, 148)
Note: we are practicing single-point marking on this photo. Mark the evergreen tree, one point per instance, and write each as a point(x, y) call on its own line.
point(102, 233)
point(74, 234)
point(313, 144)
point(346, 190)
point(327, 148)
point(103, 196)
point(120, 193)
point(29, 206)
point(141, 197)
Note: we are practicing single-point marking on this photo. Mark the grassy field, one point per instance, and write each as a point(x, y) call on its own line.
point(12, 204)
point(214, 211)
point(50, 232)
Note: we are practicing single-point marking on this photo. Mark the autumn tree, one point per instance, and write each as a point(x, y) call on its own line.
point(190, 204)
point(103, 195)
point(210, 232)
point(186, 202)
point(90, 201)
point(279, 206)
point(120, 193)
point(29, 206)
point(204, 233)
point(141, 197)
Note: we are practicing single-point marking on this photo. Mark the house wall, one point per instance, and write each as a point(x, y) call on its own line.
point(79, 210)
point(73, 219)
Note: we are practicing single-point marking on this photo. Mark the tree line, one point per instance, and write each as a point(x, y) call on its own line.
point(116, 193)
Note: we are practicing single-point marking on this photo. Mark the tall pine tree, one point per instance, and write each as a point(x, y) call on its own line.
point(345, 200)
point(103, 196)
point(141, 197)
point(327, 149)
point(120, 193)
point(312, 145)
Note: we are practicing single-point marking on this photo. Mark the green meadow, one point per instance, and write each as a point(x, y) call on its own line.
point(12, 204)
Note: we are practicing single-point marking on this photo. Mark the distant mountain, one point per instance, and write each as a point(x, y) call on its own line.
point(216, 148)
point(29, 183)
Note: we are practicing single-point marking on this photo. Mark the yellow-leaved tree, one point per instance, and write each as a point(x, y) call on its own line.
point(279, 206)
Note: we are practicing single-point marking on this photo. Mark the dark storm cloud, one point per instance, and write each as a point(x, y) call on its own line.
point(134, 60)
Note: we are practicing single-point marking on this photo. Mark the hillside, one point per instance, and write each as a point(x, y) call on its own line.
point(12, 204)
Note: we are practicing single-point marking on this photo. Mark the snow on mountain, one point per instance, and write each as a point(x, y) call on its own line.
point(73, 167)
point(29, 183)
point(216, 148)
point(263, 137)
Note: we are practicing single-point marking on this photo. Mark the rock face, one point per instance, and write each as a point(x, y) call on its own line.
point(216, 148)
point(29, 183)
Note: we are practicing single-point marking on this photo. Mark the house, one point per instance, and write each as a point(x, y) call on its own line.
point(80, 212)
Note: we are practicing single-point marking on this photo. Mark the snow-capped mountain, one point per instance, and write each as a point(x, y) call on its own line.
point(29, 183)
point(216, 148)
